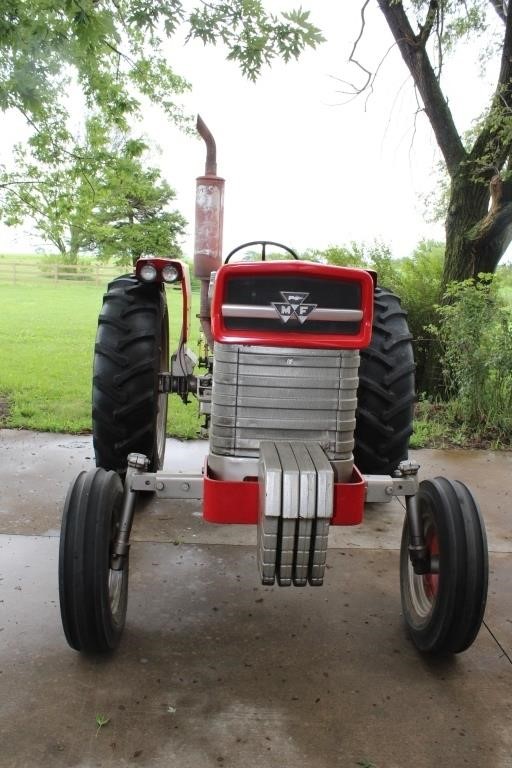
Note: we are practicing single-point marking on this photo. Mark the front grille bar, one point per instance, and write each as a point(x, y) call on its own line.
point(319, 313)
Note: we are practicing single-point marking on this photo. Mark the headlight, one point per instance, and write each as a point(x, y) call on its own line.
point(148, 273)
point(170, 274)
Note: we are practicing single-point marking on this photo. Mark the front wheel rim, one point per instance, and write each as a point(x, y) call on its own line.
point(424, 588)
point(116, 578)
point(115, 591)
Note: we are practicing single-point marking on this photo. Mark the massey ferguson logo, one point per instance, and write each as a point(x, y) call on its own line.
point(293, 306)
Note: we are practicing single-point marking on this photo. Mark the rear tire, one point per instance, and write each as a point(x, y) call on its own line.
point(132, 348)
point(385, 397)
point(93, 597)
point(444, 609)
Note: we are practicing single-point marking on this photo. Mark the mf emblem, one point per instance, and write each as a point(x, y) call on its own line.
point(293, 306)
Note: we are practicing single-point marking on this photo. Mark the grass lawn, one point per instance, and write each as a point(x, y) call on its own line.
point(47, 337)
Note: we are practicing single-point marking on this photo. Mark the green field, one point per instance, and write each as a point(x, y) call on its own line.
point(46, 347)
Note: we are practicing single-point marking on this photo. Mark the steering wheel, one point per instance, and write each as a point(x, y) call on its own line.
point(263, 244)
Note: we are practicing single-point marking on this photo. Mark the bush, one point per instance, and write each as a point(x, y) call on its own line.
point(419, 287)
point(416, 280)
point(388, 269)
point(475, 330)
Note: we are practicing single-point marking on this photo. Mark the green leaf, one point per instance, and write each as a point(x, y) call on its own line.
point(102, 721)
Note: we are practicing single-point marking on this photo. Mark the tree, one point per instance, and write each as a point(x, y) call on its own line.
point(479, 165)
point(131, 216)
point(353, 255)
point(115, 52)
point(98, 196)
point(376, 256)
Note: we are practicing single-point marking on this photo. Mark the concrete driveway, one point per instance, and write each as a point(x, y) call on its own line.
point(216, 670)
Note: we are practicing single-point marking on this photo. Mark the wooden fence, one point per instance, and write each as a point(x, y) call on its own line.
point(25, 271)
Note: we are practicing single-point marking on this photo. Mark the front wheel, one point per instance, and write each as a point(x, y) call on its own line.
point(93, 596)
point(444, 609)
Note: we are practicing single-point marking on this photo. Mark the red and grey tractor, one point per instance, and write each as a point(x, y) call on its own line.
point(306, 387)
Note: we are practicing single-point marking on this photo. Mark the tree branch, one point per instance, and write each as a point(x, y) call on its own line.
point(30, 204)
point(439, 38)
point(351, 57)
point(493, 143)
point(31, 182)
point(430, 18)
point(417, 61)
point(500, 7)
point(356, 91)
point(494, 233)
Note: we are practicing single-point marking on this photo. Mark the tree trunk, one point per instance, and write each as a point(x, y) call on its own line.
point(74, 245)
point(72, 256)
point(476, 236)
point(468, 205)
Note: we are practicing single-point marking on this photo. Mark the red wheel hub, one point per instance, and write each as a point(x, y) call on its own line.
point(431, 580)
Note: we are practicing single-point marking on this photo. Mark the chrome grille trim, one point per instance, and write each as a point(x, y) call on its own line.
point(269, 312)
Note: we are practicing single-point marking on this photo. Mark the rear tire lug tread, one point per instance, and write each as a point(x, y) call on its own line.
point(386, 390)
point(128, 360)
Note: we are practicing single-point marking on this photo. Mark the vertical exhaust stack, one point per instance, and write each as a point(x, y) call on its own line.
point(208, 225)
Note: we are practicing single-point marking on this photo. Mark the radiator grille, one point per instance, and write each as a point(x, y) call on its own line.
point(269, 393)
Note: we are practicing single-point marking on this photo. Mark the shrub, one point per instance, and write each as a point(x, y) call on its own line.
point(475, 330)
point(419, 287)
